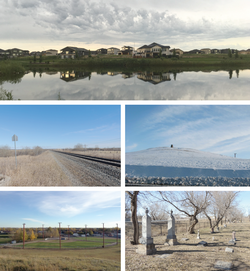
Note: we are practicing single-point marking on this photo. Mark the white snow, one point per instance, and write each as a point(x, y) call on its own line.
point(182, 162)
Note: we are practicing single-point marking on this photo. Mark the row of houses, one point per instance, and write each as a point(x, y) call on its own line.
point(152, 50)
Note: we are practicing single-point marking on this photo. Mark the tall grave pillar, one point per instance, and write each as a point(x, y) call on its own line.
point(147, 246)
point(171, 237)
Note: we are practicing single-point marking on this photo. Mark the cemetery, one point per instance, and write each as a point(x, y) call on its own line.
point(167, 245)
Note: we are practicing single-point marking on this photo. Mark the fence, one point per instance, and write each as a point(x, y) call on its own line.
point(160, 227)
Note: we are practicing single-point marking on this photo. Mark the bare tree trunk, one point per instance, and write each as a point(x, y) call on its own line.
point(133, 197)
point(194, 221)
point(210, 222)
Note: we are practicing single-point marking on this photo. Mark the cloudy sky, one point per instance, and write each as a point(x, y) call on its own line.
point(218, 129)
point(46, 24)
point(76, 209)
point(60, 126)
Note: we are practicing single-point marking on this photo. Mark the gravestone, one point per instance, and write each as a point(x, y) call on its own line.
point(228, 249)
point(234, 236)
point(198, 235)
point(147, 246)
point(171, 237)
point(221, 265)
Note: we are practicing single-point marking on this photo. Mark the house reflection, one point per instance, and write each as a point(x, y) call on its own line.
point(70, 76)
point(154, 77)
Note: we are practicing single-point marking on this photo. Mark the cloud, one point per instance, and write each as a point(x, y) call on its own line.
point(33, 220)
point(71, 204)
point(106, 23)
point(131, 147)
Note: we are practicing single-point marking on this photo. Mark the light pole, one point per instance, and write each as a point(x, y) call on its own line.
point(103, 234)
point(85, 232)
point(23, 234)
point(117, 233)
point(43, 230)
point(60, 234)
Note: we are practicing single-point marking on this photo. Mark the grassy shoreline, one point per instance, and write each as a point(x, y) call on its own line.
point(18, 66)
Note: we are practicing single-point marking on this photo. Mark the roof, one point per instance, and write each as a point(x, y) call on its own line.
point(75, 48)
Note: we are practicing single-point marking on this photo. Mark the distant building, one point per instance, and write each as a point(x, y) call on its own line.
point(101, 51)
point(113, 51)
point(51, 52)
point(153, 50)
point(73, 52)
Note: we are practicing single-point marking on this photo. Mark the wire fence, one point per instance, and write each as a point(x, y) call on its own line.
point(160, 227)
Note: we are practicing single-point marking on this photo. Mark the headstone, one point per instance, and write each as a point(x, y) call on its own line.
point(234, 236)
point(225, 225)
point(228, 249)
point(171, 237)
point(223, 265)
point(232, 243)
point(213, 238)
point(147, 246)
point(184, 239)
point(198, 235)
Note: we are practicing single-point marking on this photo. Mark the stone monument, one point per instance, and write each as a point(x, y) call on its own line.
point(198, 235)
point(147, 246)
point(171, 237)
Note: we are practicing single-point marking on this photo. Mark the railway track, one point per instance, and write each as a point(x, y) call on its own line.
point(110, 162)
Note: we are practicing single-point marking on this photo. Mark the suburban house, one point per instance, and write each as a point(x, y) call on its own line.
point(206, 51)
point(244, 52)
point(17, 52)
point(102, 51)
point(73, 52)
point(37, 53)
point(215, 51)
point(113, 51)
point(153, 50)
point(177, 51)
point(195, 51)
point(51, 52)
point(126, 50)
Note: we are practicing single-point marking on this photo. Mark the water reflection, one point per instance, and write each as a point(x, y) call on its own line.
point(167, 85)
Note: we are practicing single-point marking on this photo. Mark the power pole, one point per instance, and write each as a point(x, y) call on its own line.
point(60, 234)
point(23, 234)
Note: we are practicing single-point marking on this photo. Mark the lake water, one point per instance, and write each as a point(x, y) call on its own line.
point(78, 85)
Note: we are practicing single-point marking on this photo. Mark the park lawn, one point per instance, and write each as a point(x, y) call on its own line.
point(108, 258)
point(54, 244)
point(4, 238)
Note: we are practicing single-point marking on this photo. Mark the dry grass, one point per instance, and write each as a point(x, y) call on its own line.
point(116, 155)
point(55, 260)
point(188, 256)
point(41, 170)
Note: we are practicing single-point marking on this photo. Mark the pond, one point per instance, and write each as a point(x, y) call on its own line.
point(84, 85)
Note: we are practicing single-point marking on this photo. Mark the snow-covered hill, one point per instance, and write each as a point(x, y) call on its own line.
point(182, 162)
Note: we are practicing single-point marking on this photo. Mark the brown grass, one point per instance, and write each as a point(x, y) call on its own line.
point(188, 256)
point(116, 155)
point(41, 170)
point(41, 260)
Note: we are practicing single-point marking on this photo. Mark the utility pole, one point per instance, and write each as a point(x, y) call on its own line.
point(23, 234)
point(103, 234)
point(43, 230)
point(85, 232)
point(68, 232)
point(117, 233)
point(15, 138)
point(60, 234)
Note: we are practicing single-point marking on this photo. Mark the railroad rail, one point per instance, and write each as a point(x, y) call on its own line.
point(116, 163)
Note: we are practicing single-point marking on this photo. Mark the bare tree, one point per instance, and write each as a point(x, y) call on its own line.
point(5, 151)
point(221, 202)
point(158, 211)
point(133, 203)
point(37, 150)
point(78, 146)
point(190, 203)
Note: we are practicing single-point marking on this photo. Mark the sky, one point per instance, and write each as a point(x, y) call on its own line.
point(222, 129)
point(60, 126)
point(74, 208)
point(194, 24)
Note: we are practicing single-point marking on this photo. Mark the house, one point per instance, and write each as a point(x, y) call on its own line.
point(244, 52)
point(51, 52)
point(153, 50)
point(73, 52)
point(154, 77)
point(113, 51)
point(215, 51)
point(206, 51)
point(102, 51)
point(17, 52)
point(126, 50)
point(177, 51)
point(195, 51)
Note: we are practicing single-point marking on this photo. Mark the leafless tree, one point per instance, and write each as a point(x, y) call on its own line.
point(221, 202)
point(78, 146)
point(158, 211)
point(37, 150)
point(5, 151)
point(190, 203)
point(133, 203)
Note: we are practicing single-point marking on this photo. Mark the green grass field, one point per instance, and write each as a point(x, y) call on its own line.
point(73, 243)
